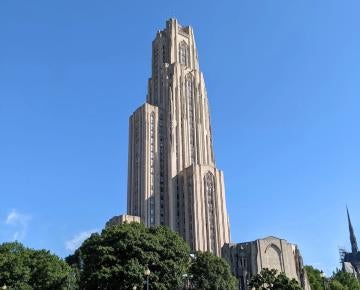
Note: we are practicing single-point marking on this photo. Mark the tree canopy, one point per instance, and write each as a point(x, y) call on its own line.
point(315, 279)
point(338, 281)
point(118, 257)
point(343, 281)
point(269, 279)
point(26, 269)
point(211, 272)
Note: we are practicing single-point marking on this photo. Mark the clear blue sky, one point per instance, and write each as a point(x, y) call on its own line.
point(283, 79)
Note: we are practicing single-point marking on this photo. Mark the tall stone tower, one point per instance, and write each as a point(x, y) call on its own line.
point(172, 176)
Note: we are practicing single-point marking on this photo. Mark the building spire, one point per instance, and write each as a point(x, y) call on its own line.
point(354, 246)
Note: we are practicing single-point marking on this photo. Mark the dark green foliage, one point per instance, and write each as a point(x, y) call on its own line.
point(338, 281)
point(118, 257)
point(315, 279)
point(211, 272)
point(282, 282)
point(263, 280)
point(27, 269)
point(336, 285)
point(344, 280)
point(268, 279)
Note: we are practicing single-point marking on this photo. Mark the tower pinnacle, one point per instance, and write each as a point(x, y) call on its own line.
point(354, 246)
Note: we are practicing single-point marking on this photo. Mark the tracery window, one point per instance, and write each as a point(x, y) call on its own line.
point(183, 53)
point(273, 257)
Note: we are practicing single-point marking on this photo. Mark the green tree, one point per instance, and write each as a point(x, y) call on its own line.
point(339, 280)
point(118, 257)
point(269, 279)
point(315, 279)
point(27, 269)
point(336, 285)
point(348, 281)
point(211, 272)
point(282, 282)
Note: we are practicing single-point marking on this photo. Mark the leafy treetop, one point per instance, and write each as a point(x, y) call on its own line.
point(26, 269)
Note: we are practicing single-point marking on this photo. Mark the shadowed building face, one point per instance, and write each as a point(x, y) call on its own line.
point(351, 260)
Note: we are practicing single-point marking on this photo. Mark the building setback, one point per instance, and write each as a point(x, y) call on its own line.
point(172, 176)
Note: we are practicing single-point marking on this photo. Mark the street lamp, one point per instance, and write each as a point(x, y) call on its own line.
point(322, 274)
point(134, 287)
point(4, 287)
point(187, 278)
point(147, 274)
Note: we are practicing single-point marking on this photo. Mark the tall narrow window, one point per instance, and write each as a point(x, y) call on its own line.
point(189, 94)
point(190, 213)
point(137, 174)
point(183, 53)
point(152, 173)
point(209, 186)
point(162, 167)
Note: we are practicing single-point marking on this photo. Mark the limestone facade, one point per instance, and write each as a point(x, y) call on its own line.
point(248, 259)
point(172, 176)
point(118, 220)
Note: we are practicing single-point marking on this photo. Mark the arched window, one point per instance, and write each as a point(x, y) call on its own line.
point(183, 53)
point(273, 257)
point(209, 187)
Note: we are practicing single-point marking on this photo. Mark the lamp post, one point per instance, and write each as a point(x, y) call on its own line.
point(4, 286)
point(189, 277)
point(186, 277)
point(322, 274)
point(147, 274)
point(134, 287)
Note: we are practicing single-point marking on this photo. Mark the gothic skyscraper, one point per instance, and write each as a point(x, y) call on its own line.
point(172, 176)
